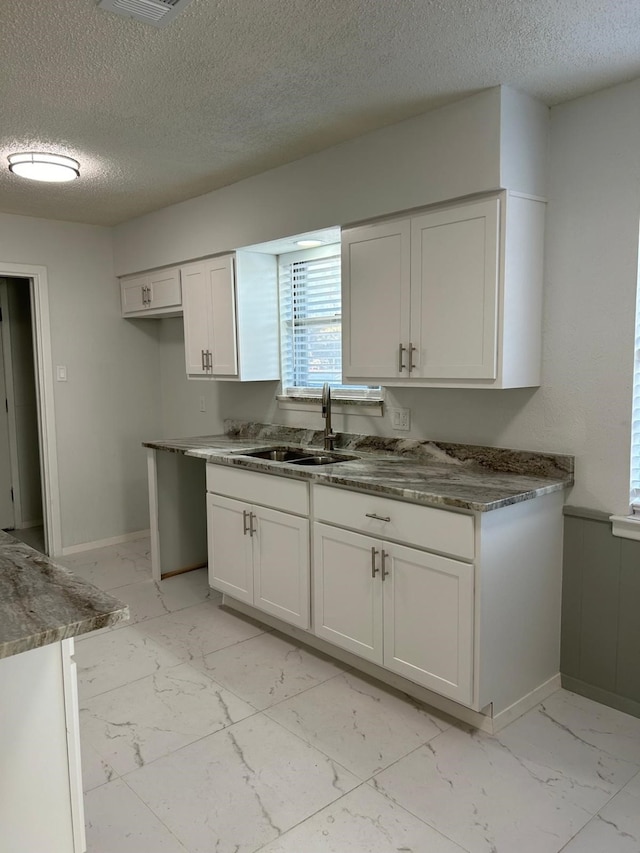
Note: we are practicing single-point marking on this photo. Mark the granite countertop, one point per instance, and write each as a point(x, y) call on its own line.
point(42, 602)
point(470, 477)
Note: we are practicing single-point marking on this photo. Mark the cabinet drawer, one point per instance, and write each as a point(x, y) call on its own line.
point(423, 526)
point(266, 489)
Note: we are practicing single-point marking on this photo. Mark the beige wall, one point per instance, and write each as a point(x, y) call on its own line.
point(584, 404)
point(111, 401)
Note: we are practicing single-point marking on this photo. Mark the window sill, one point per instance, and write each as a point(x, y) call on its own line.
point(625, 526)
point(339, 406)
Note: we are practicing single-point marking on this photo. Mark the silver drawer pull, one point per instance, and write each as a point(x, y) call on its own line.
point(246, 515)
point(383, 558)
point(377, 517)
point(374, 568)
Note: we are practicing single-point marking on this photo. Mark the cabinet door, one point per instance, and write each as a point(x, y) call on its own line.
point(196, 313)
point(165, 289)
point(281, 565)
point(347, 591)
point(230, 552)
point(428, 620)
point(454, 296)
point(375, 300)
point(221, 285)
point(132, 294)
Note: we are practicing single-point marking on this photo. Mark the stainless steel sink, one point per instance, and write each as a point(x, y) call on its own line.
point(299, 456)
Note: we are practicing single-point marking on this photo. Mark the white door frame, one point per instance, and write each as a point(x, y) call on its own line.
point(41, 327)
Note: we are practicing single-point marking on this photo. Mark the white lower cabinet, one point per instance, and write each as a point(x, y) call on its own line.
point(408, 610)
point(260, 556)
point(41, 804)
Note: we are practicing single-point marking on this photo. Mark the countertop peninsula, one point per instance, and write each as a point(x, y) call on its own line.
point(471, 477)
point(41, 602)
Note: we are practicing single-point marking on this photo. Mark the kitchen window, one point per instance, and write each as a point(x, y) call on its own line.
point(311, 326)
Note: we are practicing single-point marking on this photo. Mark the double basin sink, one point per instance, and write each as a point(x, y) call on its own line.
point(299, 456)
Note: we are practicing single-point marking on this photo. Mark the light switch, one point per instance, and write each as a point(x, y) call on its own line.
point(400, 418)
point(61, 372)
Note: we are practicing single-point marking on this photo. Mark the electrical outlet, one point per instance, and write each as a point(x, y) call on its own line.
point(203, 404)
point(400, 418)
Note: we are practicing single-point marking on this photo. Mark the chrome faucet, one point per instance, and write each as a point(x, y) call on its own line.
point(329, 435)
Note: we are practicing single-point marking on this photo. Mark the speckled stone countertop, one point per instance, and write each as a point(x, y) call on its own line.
point(465, 476)
point(42, 603)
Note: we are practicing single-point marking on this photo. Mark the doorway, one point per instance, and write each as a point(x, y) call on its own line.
point(30, 429)
point(21, 492)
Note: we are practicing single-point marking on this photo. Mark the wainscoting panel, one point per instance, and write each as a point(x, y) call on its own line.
point(600, 651)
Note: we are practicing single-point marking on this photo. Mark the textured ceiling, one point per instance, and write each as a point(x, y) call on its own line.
point(233, 87)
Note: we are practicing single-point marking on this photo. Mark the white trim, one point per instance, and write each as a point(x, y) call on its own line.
point(72, 720)
point(626, 526)
point(152, 473)
point(104, 543)
point(366, 408)
point(41, 325)
point(526, 703)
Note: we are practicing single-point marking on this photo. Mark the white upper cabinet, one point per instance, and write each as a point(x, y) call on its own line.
point(153, 294)
point(376, 299)
point(231, 317)
point(447, 298)
point(454, 298)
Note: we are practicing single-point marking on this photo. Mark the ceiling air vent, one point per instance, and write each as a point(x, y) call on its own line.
point(158, 13)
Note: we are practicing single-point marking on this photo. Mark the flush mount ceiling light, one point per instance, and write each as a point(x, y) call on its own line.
point(37, 166)
point(308, 244)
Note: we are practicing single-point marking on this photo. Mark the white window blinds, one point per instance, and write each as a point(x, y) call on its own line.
point(311, 327)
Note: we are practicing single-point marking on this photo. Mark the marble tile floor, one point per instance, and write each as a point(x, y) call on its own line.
point(204, 732)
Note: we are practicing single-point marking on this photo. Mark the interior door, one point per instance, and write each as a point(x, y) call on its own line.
point(7, 517)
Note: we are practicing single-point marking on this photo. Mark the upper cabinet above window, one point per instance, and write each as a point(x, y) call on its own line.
point(450, 297)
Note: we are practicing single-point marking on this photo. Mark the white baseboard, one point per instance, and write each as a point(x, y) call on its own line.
point(525, 704)
point(103, 543)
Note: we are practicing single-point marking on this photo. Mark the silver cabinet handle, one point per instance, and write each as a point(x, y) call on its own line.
point(252, 529)
point(401, 350)
point(245, 528)
point(383, 557)
point(374, 568)
point(412, 349)
point(209, 361)
point(203, 364)
point(377, 517)
point(149, 295)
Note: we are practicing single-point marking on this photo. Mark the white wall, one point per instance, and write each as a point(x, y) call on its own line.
point(583, 406)
point(449, 152)
point(181, 397)
point(111, 401)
